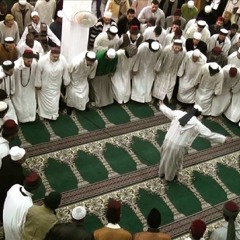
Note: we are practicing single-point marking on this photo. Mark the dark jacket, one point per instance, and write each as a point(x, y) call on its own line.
point(202, 46)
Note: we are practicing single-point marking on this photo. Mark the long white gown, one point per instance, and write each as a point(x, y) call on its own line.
point(221, 102)
point(188, 73)
point(49, 77)
point(233, 59)
point(24, 98)
point(121, 80)
point(143, 68)
point(167, 67)
point(178, 139)
point(208, 86)
point(78, 89)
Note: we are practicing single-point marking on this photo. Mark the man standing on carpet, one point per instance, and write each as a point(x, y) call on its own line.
point(102, 92)
point(16, 205)
point(112, 231)
point(24, 98)
point(51, 71)
point(184, 129)
point(153, 232)
point(197, 230)
point(82, 68)
point(231, 228)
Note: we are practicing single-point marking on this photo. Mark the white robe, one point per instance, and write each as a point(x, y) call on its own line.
point(233, 59)
point(213, 42)
point(24, 98)
point(103, 43)
point(169, 39)
point(121, 80)
point(49, 76)
point(192, 29)
point(142, 80)
point(37, 48)
point(208, 86)
point(178, 139)
point(221, 102)
point(150, 34)
point(4, 149)
point(78, 89)
point(188, 73)
point(8, 84)
point(167, 67)
point(15, 209)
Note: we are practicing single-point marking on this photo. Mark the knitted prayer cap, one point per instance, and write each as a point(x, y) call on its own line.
point(197, 228)
point(134, 29)
point(28, 54)
point(7, 65)
point(154, 218)
point(233, 71)
point(78, 213)
point(22, 2)
point(52, 200)
point(111, 53)
point(17, 153)
point(113, 211)
point(9, 40)
point(217, 50)
point(9, 17)
point(9, 127)
point(91, 56)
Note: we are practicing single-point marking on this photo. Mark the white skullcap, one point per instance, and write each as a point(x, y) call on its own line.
point(178, 41)
point(60, 13)
point(111, 53)
point(107, 14)
point(78, 213)
point(208, 9)
point(3, 106)
point(17, 153)
point(34, 13)
point(214, 65)
point(113, 29)
point(9, 40)
point(22, 2)
point(199, 108)
point(91, 55)
point(224, 31)
point(190, 4)
point(7, 63)
point(197, 35)
point(196, 53)
point(155, 45)
point(201, 23)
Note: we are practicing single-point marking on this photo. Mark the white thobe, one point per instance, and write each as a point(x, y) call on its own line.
point(49, 76)
point(46, 16)
point(234, 39)
point(192, 29)
point(24, 98)
point(15, 209)
point(121, 80)
point(103, 43)
point(213, 42)
point(234, 60)
point(4, 149)
point(8, 85)
point(78, 89)
point(221, 102)
point(221, 232)
point(167, 67)
point(178, 139)
point(150, 34)
point(232, 112)
point(208, 86)
point(37, 48)
point(142, 80)
point(170, 38)
point(188, 73)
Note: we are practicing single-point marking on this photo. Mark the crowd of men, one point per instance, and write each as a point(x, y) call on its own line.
point(141, 50)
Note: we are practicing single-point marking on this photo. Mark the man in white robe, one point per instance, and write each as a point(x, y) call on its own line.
point(167, 67)
point(188, 72)
point(210, 81)
point(143, 71)
point(121, 79)
point(7, 83)
point(106, 40)
point(230, 85)
point(220, 40)
point(82, 69)
point(16, 205)
point(234, 58)
point(51, 71)
point(184, 129)
point(24, 98)
point(155, 33)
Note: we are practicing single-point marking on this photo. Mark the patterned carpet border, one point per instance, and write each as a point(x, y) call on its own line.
point(84, 138)
point(145, 174)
